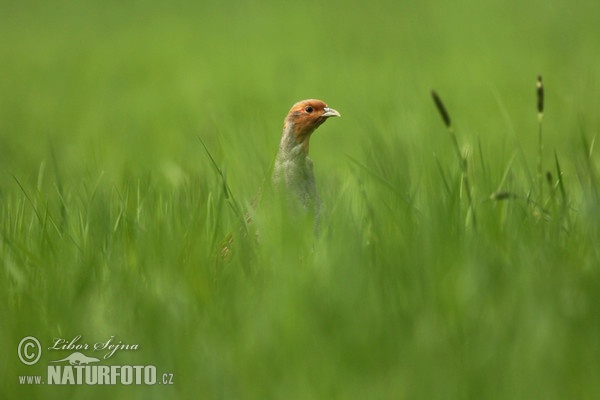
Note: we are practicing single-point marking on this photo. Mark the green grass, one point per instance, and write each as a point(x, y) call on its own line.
point(114, 221)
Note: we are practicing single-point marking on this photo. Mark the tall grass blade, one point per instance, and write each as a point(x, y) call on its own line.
point(561, 184)
point(462, 160)
point(226, 189)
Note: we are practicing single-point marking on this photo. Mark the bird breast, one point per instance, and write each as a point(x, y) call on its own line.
point(295, 175)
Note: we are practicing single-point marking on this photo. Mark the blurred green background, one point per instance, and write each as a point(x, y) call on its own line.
point(114, 221)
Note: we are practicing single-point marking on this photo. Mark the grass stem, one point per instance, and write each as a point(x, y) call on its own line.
point(462, 160)
point(540, 109)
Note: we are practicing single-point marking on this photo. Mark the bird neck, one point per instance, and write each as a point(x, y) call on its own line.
point(293, 143)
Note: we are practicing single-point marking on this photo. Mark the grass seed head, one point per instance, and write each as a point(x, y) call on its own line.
point(540, 95)
point(441, 109)
point(503, 195)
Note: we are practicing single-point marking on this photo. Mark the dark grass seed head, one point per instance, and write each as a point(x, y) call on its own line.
point(540, 95)
point(441, 109)
point(502, 195)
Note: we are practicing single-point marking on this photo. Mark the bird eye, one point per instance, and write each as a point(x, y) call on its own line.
point(308, 109)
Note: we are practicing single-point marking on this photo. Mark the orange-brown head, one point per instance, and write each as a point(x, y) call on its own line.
point(304, 117)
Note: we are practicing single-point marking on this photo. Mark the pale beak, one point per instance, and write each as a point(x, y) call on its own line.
point(330, 112)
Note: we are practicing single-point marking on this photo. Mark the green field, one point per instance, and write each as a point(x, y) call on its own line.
point(115, 222)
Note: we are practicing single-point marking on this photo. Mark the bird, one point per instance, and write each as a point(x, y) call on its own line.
point(293, 174)
point(293, 170)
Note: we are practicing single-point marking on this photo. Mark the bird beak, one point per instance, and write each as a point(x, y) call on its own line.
point(330, 112)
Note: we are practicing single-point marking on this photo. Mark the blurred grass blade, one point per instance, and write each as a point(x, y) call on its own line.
point(35, 210)
point(442, 174)
point(380, 179)
point(226, 189)
point(561, 185)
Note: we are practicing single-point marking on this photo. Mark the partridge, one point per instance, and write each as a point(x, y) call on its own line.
point(293, 171)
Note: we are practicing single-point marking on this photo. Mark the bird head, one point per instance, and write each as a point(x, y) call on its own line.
point(302, 120)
